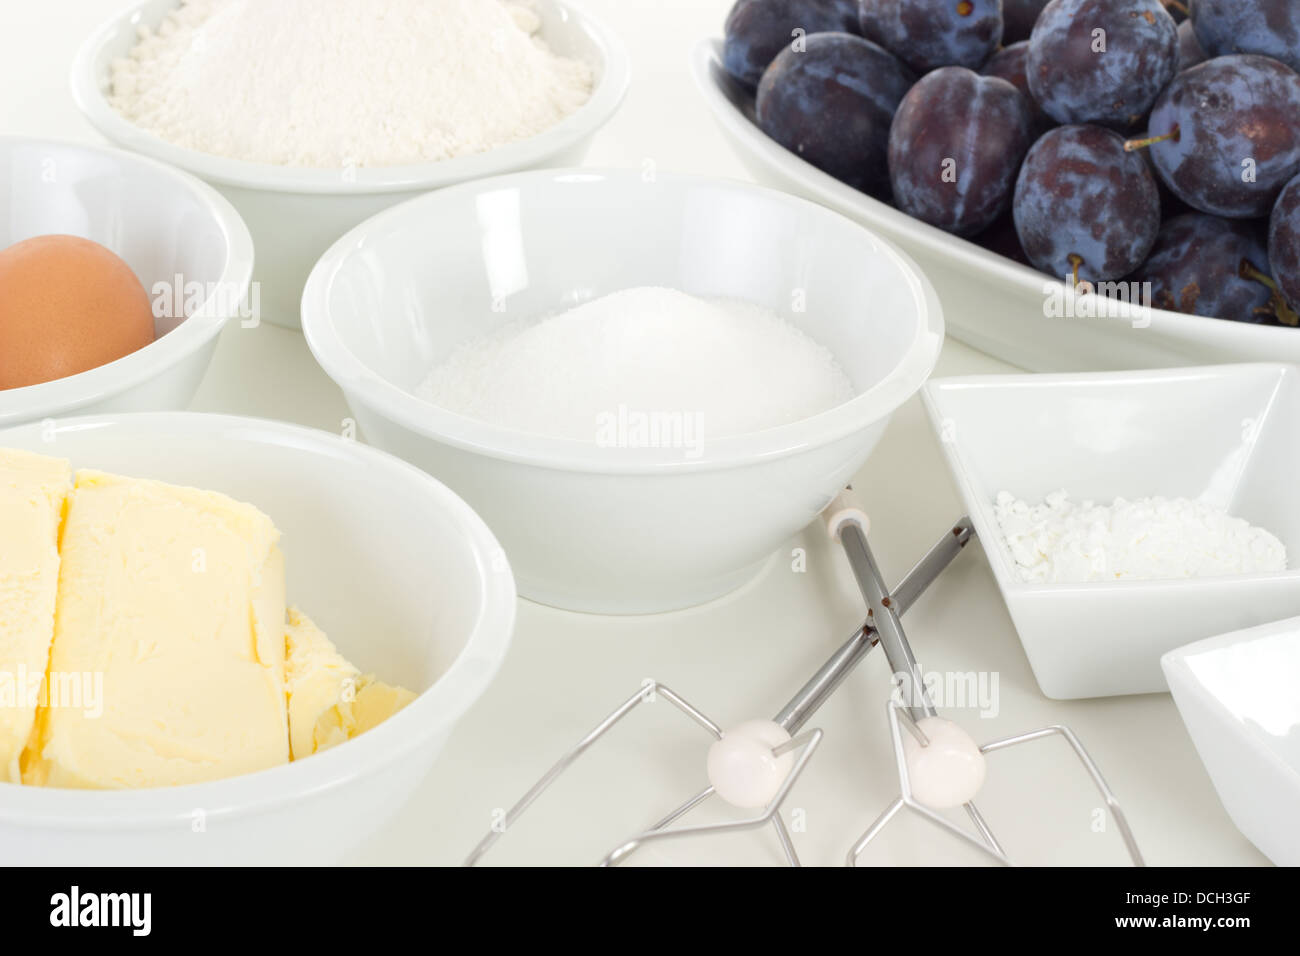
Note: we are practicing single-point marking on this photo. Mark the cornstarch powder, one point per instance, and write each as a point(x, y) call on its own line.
point(1060, 541)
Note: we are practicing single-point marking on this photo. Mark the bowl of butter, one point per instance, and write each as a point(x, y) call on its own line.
point(226, 640)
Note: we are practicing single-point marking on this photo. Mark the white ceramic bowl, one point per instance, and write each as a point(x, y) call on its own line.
point(1237, 695)
point(603, 529)
point(1229, 435)
point(397, 570)
point(295, 214)
point(164, 223)
point(991, 302)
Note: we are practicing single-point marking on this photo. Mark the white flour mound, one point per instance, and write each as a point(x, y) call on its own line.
point(1060, 541)
point(347, 83)
point(723, 366)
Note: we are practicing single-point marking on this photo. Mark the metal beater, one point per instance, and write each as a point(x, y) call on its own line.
point(755, 765)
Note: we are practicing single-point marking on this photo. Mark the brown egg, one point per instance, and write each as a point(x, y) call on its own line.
point(67, 305)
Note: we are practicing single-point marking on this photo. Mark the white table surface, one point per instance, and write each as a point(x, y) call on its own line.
point(740, 657)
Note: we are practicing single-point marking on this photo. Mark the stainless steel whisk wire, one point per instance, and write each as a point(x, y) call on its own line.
point(848, 524)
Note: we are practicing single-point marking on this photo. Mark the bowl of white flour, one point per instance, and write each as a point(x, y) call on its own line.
point(313, 115)
point(645, 385)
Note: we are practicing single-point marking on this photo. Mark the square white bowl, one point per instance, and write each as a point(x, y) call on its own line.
point(1237, 695)
point(1228, 435)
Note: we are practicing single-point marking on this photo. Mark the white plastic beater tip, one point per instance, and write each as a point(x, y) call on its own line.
point(946, 772)
point(843, 511)
point(742, 768)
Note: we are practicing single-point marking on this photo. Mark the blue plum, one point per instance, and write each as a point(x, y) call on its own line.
point(1225, 135)
point(1101, 61)
point(955, 147)
point(1084, 206)
point(1018, 18)
point(1267, 27)
point(1170, 205)
point(757, 30)
point(1001, 238)
point(1284, 248)
point(1010, 64)
point(927, 34)
point(848, 13)
point(833, 103)
point(1190, 51)
point(1203, 265)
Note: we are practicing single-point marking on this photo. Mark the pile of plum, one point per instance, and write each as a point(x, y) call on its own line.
point(1103, 142)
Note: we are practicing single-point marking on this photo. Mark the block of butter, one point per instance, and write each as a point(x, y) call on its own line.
point(172, 601)
point(330, 701)
point(33, 490)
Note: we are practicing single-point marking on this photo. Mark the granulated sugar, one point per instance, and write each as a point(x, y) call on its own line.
point(1060, 541)
point(718, 367)
point(343, 83)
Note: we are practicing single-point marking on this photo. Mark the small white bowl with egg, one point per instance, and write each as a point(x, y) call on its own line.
point(404, 578)
point(295, 213)
point(1237, 695)
point(1224, 435)
point(631, 529)
point(164, 224)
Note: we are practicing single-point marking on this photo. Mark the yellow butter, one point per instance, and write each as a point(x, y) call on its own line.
point(173, 598)
point(330, 701)
point(33, 490)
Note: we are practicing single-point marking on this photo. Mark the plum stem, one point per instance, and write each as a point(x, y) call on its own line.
point(1075, 261)
point(1132, 145)
point(1277, 304)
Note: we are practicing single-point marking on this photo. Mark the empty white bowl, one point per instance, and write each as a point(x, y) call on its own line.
point(619, 530)
point(992, 303)
point(397, 570)
point(295, 214)
point(1237, 695)
point(165, 224)
point(1229, 435)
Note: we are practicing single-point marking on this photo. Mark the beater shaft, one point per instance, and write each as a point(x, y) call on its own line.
point(831, 674)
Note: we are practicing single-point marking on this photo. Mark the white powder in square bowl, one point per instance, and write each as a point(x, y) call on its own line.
point(1059, 541)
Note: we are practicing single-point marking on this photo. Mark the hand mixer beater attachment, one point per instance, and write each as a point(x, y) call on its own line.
point(756, 764)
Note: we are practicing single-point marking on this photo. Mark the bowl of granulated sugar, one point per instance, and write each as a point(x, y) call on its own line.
point(311, 117)
point(645, 385)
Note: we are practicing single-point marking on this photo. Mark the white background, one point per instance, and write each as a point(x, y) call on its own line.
point(740, 657)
